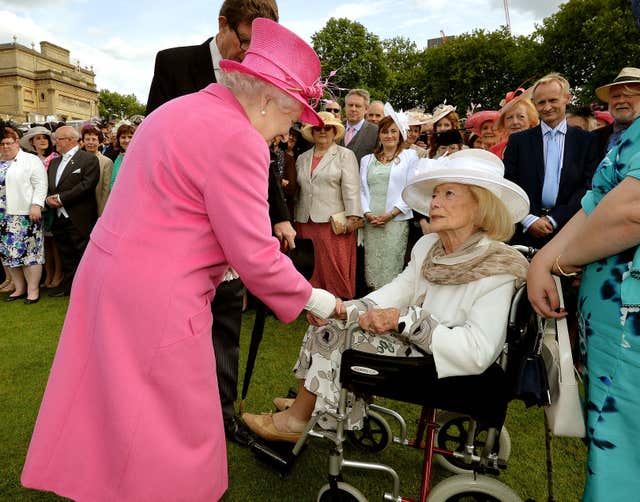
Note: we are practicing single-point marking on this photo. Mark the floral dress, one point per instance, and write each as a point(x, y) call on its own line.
point(609, 316)
point(20, 239)
point(384, 247)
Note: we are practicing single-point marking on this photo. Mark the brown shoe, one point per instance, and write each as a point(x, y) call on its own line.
point(282, 403)
point(263, 426)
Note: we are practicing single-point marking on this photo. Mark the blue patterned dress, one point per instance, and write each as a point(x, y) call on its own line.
point(609, 315)
point(21, 241)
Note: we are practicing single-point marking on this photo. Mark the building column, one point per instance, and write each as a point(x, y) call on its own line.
point(19, 103)
point(52, 99)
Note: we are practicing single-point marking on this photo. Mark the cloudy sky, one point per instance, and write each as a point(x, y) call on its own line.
point(120, 37)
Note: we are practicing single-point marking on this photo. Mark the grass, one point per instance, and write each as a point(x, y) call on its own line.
point(28, 340)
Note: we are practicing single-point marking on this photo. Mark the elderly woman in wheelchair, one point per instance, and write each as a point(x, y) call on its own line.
point(450, 305)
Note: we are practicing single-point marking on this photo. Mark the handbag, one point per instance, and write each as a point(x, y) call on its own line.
point(532, 385)
point(565, 414)
point(339, 223)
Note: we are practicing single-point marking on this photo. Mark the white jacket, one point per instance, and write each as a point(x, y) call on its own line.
point(401, 171)
point(26, 184)
point(472, 317)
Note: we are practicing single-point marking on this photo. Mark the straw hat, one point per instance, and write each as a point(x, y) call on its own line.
point(329, 119)
point(628, 75)
point(25, 141)
point(281, 58)
point(441, 111)
point(469, 167)
point(418, 117)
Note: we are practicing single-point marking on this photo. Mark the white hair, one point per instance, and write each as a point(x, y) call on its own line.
point(253, 87)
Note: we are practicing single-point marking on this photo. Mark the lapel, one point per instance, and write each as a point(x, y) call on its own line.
point(203, 73)
point(51, 173)
point(71, 166)
point(328, 158)
point(538, 147)
point(567, 155)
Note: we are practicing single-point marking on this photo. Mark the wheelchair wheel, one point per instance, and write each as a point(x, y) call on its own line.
point(343, 493)
point(374, 436)
point(465, 488)
point(452, 435)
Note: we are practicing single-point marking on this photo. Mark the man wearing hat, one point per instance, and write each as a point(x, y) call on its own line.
point(553, 162)
point(183, 70)
point(623, 97)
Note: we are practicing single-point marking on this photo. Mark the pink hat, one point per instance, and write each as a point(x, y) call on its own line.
point(281, 58)
point(475, 121)
point(605, 116)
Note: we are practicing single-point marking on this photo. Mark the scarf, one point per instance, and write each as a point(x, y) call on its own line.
point(472, 261)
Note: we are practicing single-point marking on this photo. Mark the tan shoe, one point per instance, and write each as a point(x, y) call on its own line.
point(263, 426)
point(282, 403)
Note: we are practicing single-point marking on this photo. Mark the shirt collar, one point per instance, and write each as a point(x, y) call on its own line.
point(356, 126)
point(561, 127)
point(216, 57)
point(71, 152)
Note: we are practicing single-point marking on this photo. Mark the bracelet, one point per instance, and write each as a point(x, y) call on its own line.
point(562, 272)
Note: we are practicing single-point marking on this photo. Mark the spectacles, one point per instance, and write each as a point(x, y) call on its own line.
point(326, 128)
point(7, 144)
point(244, 42)
point(333, 110)
point(62, 139)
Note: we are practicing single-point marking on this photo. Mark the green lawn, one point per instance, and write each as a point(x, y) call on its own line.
point(28, 338)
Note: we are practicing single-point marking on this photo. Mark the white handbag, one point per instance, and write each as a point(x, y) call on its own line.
point(564, 414)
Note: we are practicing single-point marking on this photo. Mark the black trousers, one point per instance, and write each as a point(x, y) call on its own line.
point(227, 317)
point(71, 245)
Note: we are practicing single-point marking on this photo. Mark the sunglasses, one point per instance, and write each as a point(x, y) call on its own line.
point(326, 128)
point(333, 110)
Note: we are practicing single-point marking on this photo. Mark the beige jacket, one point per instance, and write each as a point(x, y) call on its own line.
point(102, 188)
point(334, 186)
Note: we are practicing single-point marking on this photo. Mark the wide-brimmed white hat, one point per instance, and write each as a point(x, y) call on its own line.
point(628, 75)
point(469, 167)
point(25, 141)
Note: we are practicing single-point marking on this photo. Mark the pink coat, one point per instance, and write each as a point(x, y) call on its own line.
point(131, 411)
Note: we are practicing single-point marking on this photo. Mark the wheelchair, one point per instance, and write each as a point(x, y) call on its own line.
point(467, 436)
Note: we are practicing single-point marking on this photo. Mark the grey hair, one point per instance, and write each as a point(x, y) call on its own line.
point(363, 93)
point(248, 85)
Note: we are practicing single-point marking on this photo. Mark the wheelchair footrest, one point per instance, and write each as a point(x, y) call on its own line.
point(278, 455)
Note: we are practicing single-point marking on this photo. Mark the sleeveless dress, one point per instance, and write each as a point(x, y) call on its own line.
point(609, 318)
point(384, 247)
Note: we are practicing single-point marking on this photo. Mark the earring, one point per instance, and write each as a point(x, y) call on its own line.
point(263, 112)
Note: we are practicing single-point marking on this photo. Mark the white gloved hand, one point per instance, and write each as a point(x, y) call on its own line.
point(321, 303)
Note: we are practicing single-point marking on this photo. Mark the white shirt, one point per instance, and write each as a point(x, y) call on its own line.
point(63, 164)
point(216, 57)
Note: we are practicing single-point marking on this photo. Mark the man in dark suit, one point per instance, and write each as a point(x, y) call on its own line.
point(361, 136)
point(183, 70)
point(553, 163)
point(72, 182)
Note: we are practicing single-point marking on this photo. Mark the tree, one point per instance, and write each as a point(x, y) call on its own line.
point(478, 68)
point(120, 105)
point(589, 41)
point(355, 54)
point(401, 58)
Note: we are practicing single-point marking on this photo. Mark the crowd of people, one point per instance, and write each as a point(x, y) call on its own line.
point(408, 214)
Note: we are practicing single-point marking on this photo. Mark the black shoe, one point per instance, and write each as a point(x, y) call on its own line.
point(58, 294)
point(14, 298)
point(235, 430)
point(31, 302)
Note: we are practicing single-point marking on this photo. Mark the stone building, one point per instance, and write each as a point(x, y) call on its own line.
point(35, 85)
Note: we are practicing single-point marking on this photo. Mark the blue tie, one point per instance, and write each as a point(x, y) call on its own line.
point(551, 171)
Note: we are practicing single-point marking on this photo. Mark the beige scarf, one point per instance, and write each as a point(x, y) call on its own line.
point(472, 261)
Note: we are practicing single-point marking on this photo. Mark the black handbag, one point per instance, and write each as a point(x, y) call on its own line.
point(532, 385)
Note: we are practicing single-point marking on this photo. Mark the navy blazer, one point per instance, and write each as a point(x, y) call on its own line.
point(524, 165)
point(183, 70)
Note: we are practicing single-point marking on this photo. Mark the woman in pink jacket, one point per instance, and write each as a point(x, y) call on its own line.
point(131, 410)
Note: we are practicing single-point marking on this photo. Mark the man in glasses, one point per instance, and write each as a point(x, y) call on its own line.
point(183, 70)
point(334, 108)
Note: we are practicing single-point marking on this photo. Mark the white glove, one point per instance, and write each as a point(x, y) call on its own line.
point(321, 303)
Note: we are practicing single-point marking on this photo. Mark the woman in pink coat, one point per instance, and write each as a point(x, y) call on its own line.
point(131, 410)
